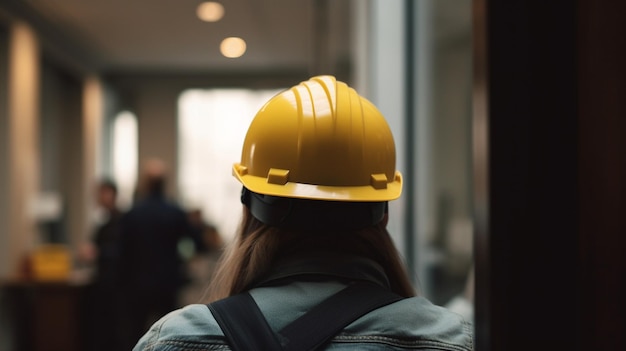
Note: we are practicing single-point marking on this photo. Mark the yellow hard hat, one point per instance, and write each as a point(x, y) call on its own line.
point(320, 140)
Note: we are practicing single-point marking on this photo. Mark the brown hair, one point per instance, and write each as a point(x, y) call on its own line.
point(257, 245)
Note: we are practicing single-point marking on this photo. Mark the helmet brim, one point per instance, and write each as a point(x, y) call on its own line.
point(364, 193)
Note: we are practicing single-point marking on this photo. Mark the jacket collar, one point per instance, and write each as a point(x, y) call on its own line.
point(329, 265)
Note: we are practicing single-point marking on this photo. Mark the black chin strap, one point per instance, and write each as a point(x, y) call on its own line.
point(307, 214)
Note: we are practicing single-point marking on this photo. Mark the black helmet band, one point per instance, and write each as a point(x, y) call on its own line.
point(293, 213)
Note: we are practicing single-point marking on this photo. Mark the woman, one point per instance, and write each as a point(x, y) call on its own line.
point(317, 168)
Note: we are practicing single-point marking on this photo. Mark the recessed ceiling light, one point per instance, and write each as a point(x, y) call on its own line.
point(210, 11)
point(233, 47)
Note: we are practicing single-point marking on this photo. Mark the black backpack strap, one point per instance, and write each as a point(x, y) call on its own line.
point(245, 327)
point(243, 324)
point(332, 315)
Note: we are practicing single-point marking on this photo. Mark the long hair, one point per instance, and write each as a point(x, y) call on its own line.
point(256, 247)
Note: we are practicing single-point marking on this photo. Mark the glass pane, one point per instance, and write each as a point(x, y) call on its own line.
point(212, 125)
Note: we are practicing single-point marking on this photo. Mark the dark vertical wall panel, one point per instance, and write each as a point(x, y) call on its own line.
point(555, 233)
point(70, 113)
point(532, 177)
point(50, 127)
point(602, 134)
point(409, 173)
point(60, 133)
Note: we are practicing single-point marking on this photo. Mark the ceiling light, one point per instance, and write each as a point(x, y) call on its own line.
point(210, 11)
point(233, 47)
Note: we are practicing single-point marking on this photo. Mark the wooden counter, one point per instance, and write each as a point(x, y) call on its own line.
point(47, 316)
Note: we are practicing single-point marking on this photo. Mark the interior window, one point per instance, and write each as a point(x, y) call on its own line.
point(212, 124)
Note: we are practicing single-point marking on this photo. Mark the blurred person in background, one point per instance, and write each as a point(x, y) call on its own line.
point(312, 265)
point(201, 264)
point(210, 235)
point(107, 234)
point(151, 267)
point(104, 252)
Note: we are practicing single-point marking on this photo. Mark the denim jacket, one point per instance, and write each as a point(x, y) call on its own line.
point(297, 285)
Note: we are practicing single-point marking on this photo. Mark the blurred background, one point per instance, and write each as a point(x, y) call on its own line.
point(508, 118)
point(92, 89)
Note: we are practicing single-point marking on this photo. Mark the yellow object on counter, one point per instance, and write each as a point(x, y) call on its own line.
point(51, 262)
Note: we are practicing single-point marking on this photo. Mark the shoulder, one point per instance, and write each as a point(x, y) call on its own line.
point(190, 328)
point(417, 320)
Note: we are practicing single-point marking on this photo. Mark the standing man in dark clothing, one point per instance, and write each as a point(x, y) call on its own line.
point(105, 291)
point(151, 269)
point(107, 235)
